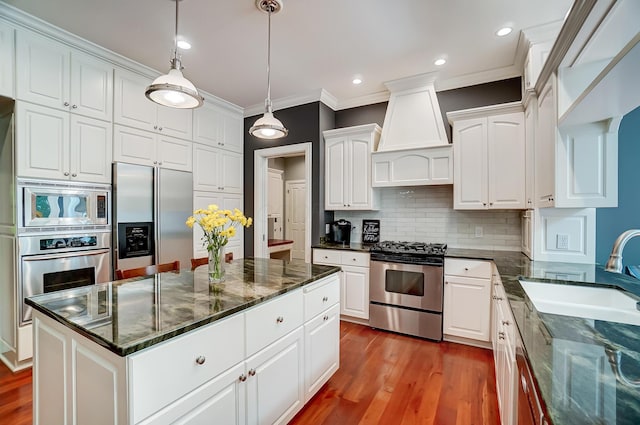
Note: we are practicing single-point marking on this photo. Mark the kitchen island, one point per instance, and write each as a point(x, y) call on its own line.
point(157, 349)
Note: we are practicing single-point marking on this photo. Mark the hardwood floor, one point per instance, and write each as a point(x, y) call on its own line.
point(384, 378)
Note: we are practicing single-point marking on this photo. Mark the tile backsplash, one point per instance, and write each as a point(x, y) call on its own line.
point(426, 214)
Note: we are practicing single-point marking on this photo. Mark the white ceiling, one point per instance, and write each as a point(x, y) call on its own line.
point(316, 45)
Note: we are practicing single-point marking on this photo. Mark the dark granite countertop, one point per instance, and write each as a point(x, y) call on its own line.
point(145, 311)
point(570, 356)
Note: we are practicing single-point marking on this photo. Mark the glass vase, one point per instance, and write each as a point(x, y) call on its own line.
point(216, 265)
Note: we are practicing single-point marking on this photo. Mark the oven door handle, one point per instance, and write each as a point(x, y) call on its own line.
point(65, 255)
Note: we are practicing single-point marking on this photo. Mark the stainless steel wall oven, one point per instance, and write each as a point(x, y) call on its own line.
point(406, 288)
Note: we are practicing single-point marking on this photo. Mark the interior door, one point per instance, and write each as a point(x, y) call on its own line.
point(296, 195)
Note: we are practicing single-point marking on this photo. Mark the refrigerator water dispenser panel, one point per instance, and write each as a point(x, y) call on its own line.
point(135, 240)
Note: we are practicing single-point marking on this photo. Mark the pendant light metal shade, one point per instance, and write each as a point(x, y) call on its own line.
point(173, 89)
point(268, 126)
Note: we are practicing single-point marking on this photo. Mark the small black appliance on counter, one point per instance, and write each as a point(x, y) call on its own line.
point(340, 232)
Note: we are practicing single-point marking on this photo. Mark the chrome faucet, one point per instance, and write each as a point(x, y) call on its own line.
point(615, 259)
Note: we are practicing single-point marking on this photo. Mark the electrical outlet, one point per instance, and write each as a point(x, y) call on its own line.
point(562, 241)
point(479, 232)
point(326, 229)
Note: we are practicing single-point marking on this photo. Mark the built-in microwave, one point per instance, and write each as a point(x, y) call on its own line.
point(49, 204)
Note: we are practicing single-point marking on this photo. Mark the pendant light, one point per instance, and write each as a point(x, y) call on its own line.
point(173, 89)
point(268, 126)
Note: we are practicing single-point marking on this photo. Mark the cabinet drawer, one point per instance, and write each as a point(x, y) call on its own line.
point(320, 296)
point(168, 371)
point(469, 268)
point(350, 258)
point(272, 320)
point(326, 256)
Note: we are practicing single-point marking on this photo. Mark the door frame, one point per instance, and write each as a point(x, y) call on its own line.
point(260, 201)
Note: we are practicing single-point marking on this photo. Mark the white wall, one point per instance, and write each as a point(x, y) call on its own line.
point(425, 214)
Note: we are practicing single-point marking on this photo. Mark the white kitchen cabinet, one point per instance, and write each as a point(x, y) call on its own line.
point(217, 126)
point(225, 201)
point(504, 349)
point(354, 279)
point(275, 189)
point(489, 157)
point(575, 166)
point(467, 299)
point(322, 349)
point(7, 37)
point(530, 120)
point(275, 381)
point(348, 167)
point(52, 74)
point(132, 108)
point(136, 146)
point(54, 144)
point(217, 170)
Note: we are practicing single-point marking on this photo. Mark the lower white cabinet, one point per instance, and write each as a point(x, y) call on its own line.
point(207, 373)
point(354, 279)
point(467, 299)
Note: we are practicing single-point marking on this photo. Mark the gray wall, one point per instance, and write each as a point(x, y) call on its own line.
point(294, 168)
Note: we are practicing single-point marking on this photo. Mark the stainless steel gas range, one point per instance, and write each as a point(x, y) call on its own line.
point(406, 288)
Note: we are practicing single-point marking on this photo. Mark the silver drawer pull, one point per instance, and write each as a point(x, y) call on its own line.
point(200, 360)
point(506, 322)
point(242, 378)
point(280, 319)
point(325, 318)
point(325, 299)
point(252, 372)
point(500, 335)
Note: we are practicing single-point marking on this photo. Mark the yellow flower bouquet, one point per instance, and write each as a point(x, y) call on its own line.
point(218, 226)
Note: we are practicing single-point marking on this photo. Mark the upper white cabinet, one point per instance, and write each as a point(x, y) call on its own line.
point(52, 74)
point(217, 126)
point(348, 167)
point(575, 166)
point(132, 108)
point(489, 157)
point(145, 148)
point(413, 167)
point(217, 170)
point(7, 37)
point(225, 201)
point(55, 144)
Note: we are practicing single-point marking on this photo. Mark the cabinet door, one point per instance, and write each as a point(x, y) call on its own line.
point(42, 139)
point(174, 122)
point(174, 153)
point(530, 118)
point(134, 146)
point(359, 173)
point(222, 398)
point(7, 37)
point(208, 125)
point(275, 194)
point(231, 168)
point(355, 292)
point(470, 164)
point(335, 177)
point(275, 381)
point(545, 156)
point(90, 149)
point(506, 155)
point(131, 107)
point(206, 168)
point(322, 349)
point(233, 129)
point(467, 307)
point(91, 87)
point(42, 70)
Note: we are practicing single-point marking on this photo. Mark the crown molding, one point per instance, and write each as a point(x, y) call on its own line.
point(488, 76)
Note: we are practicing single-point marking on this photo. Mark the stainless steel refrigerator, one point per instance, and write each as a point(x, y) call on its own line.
point(150, 207)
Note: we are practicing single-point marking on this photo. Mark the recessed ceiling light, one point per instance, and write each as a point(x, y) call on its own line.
point(504, 31)
point(357, 80)
point(440, 62)
point(184, 44)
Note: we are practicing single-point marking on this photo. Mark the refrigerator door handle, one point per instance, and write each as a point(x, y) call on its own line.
point(156, 214)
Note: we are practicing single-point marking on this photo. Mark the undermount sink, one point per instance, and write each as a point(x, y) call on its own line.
point(588, 302)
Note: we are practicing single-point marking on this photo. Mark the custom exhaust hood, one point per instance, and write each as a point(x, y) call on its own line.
point(413, 148)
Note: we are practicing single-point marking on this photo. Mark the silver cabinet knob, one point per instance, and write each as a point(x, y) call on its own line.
point(325, 318)
point(506, 322)
point(200, 360)
point(325, 299)
point(242, 378)
point(484, 204)
point(160, 128)
point(252, 372)
point(280, 319)
point(74, 175)
point(74, 106)
point(66, 173)
point(155, 127)
point(155, 162)
point(500, 335)
point(66, 103)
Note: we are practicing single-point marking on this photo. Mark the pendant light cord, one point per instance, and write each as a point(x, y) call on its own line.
point(175, 40)
point(268, 101)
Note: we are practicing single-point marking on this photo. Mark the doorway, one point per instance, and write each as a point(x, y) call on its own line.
point(299, 207)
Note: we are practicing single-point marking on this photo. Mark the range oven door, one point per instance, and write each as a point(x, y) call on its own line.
point(53, 272)
point(407, 285)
